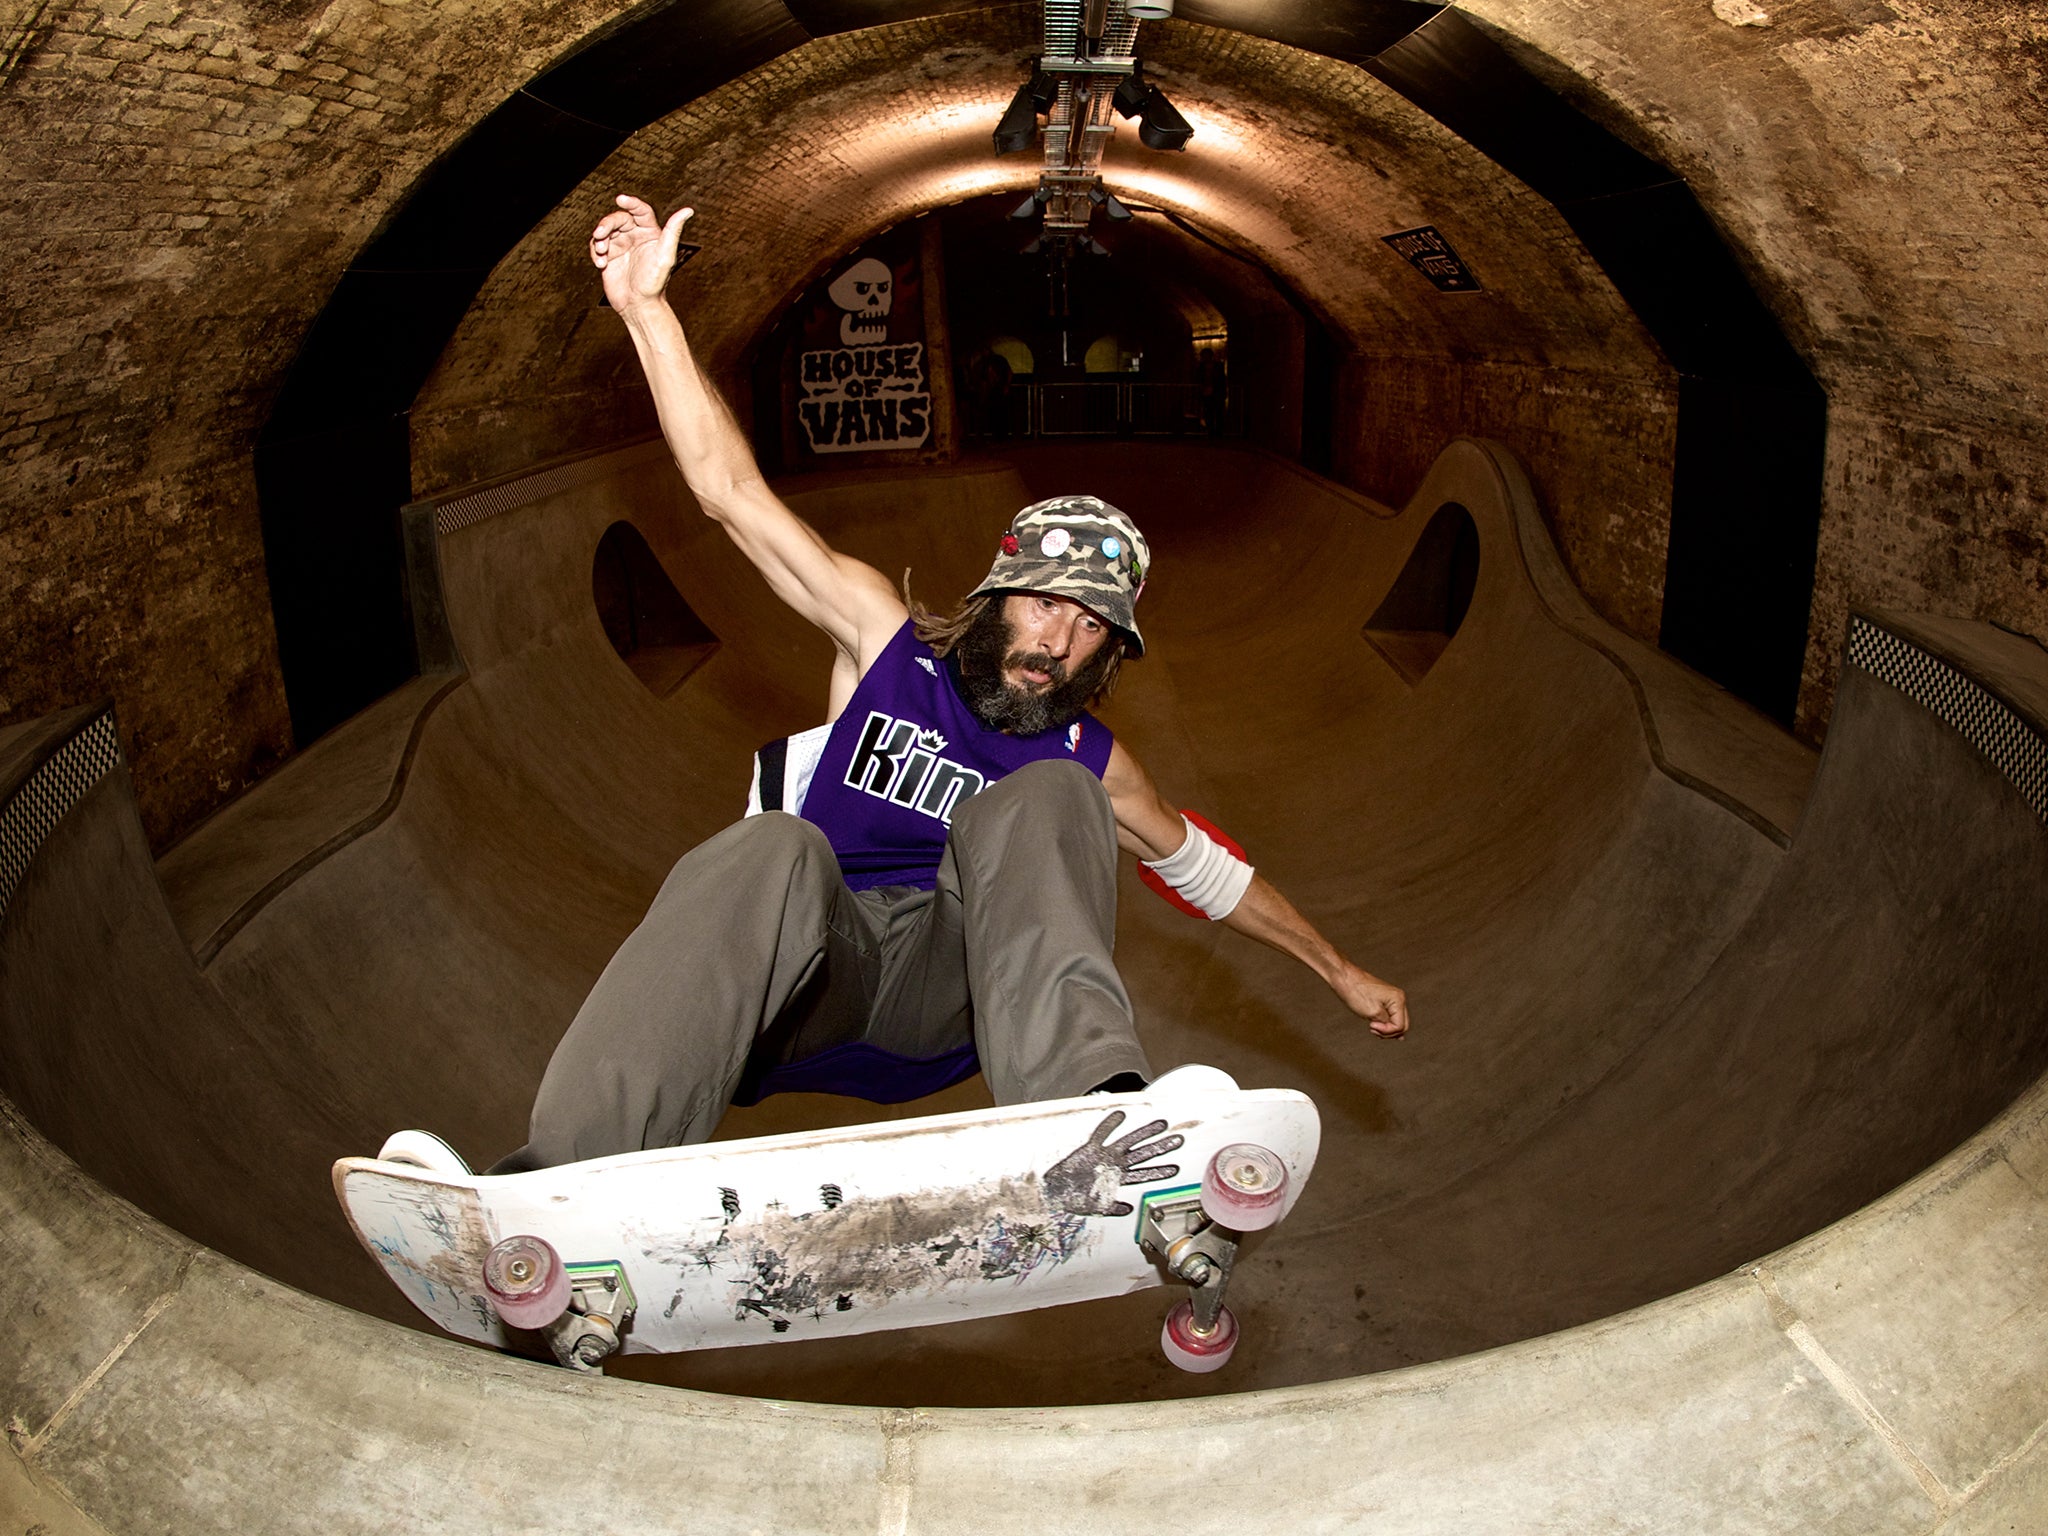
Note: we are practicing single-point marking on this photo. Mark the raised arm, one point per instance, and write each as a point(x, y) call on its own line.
point(850, 601)
point(1150, 828)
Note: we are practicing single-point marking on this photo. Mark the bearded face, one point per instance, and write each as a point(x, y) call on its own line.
point(988, 651)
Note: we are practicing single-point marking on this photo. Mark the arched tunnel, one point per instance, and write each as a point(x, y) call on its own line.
point(1593, 466)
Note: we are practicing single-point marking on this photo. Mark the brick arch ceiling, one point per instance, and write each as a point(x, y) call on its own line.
point(1304, 163)
point(1300, 162)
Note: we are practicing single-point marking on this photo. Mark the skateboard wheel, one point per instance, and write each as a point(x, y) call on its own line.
point(1192, 1350)
point(422, 1149)
point(1245, 1187)
point(526, 1282)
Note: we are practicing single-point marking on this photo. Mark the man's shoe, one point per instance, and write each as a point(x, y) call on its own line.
point(1193, 1077)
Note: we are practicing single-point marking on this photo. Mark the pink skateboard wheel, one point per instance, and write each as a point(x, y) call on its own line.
point(1244, 1188)
point(526, 1282)
point(1195, 1351)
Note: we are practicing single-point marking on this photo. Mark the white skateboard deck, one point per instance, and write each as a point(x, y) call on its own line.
point(825, 1233)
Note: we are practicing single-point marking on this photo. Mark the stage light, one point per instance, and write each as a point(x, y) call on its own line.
point(1018, 130)
point(1160, 125)
point(1105, 199)
point(1148, 10)
point(1028, 209)
point(1093, 246)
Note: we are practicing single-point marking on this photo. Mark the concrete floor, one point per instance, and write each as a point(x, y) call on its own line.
point(1679, 1001)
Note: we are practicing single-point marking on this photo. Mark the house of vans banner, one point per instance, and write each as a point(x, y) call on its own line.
point(861, 383)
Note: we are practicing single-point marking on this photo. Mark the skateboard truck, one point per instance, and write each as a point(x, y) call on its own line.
point(1194, 1249)
point(1195, 1234)
point(600, 1306)
point(580, 1308)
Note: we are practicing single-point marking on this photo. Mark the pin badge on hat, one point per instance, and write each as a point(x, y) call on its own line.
point(1037, 557)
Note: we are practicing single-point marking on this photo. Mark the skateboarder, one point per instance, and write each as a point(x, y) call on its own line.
point(939, 892)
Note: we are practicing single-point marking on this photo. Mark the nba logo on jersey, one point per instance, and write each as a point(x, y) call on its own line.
point(1074, 736)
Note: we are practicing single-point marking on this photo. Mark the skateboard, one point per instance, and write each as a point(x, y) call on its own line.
point(825, 1233)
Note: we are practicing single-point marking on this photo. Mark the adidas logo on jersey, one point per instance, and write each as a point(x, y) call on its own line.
point(898, 761)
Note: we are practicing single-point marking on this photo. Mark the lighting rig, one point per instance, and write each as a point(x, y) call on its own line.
point(1085, 79)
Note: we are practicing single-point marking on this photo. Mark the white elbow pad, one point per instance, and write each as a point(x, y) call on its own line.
point(1204, 874)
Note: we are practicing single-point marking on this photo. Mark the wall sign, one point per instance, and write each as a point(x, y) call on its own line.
point(861, 385)
point(1429, 253)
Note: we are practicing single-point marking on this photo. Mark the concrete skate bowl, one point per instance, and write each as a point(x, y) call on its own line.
point(1747, 1048)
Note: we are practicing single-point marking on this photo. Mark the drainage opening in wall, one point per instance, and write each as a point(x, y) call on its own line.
point(653, 629)
point(1427, 602)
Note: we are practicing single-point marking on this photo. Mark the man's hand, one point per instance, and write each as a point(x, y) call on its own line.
point(1381, 1004)
point(635, 253)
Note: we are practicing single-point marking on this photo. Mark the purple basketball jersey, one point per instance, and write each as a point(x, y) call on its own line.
point(904, 755)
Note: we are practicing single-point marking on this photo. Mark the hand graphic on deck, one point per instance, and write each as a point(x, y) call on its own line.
point(1086, 1180)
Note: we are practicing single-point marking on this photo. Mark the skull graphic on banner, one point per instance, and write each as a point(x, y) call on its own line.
point(864, 291)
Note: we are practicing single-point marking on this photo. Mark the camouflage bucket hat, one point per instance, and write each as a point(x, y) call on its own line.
point(1079, 547)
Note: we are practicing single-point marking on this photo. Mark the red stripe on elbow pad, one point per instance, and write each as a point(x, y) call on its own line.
point(1229, 845)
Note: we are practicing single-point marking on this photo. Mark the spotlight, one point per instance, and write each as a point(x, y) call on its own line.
point(1148, 10)
point(1019, 128)
point(1032, 246)
point(1105, 199)
point(1093, 246)
point(1028, 209)
point(1160, 125)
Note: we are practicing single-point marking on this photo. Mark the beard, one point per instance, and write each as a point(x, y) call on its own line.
point(988, 650)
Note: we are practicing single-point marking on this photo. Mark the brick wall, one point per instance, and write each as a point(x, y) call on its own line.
point(180, 188)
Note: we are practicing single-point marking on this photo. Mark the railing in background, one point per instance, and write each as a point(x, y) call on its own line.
point(1123, 409)
point(1080, 410)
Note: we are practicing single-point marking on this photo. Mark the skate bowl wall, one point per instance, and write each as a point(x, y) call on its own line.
point(1676, 1015)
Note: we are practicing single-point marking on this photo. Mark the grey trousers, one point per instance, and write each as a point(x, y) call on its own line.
point(755, 931)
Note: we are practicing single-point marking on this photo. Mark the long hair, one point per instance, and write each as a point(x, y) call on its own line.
point(943, 633)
